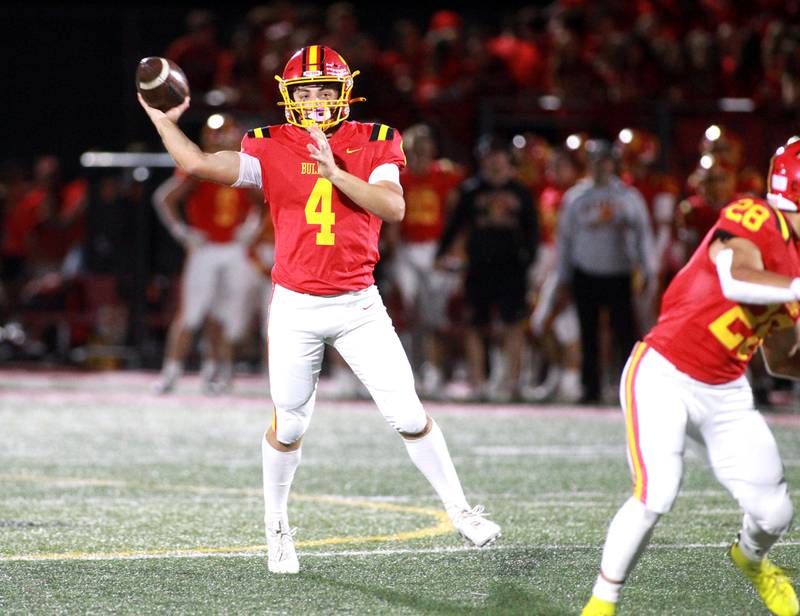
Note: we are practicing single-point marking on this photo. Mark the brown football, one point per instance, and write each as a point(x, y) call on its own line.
point(161, 83)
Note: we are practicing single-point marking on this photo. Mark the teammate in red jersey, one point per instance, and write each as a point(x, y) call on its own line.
point(555, 328)
point(330, 184)
point(715, 180)
point(216, 274)
point(740, 289)
point(429, 186)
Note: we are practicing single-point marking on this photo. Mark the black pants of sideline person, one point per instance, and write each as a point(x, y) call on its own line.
point(592, 293)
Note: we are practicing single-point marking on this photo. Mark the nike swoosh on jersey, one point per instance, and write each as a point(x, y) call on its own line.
point(352, 150)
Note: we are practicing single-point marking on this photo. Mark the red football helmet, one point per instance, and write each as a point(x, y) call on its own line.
point(316, 65)
point(783, 179)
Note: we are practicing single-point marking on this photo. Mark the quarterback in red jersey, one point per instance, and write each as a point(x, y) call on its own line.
point(739, 291)
point(330, 183)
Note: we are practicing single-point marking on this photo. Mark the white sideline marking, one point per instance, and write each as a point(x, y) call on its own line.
point(358, 553)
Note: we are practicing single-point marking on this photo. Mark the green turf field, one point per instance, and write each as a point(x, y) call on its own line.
point(115, 501)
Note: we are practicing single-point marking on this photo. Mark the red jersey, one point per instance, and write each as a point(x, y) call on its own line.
point(549, 205)
point(325, 244)
point(50, 235)
point(699, 330)
point(217, 210)
point(426, 202)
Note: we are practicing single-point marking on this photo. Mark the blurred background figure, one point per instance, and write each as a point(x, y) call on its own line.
point(217, 225)
point(261, 256)
point(198, 51)
point(429, 186)
point(714, 179)
point(556, 334)
point(604, 240)
point(43, 241)
point(638, 152)
point(497, 215)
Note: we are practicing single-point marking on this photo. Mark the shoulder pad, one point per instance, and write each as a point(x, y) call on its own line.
point(381, 132)
point(259, 133)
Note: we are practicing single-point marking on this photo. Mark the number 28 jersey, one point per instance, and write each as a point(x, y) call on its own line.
point(325, 244)
point(699, 330)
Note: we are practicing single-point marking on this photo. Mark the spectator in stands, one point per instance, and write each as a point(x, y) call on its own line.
point(604, 236)
point(498, 216)
point(15, 227)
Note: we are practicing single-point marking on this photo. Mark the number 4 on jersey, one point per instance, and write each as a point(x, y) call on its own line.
point(324, 216)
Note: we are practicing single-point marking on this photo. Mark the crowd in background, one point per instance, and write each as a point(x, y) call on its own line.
point(536, 327)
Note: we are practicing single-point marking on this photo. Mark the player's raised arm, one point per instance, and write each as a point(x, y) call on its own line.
point(384, 198)
point(221, 167)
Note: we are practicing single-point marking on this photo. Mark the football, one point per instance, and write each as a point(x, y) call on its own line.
point(161, 83)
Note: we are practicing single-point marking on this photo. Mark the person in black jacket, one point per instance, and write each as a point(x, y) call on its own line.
point(498, 216)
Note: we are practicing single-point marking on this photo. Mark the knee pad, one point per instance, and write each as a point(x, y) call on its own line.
point(771, 510)
point(193, 318)
point(290, 428)
point(291, 424)
point(411, 420)
point(566, 326)
point(661, 494)
point(235, 328)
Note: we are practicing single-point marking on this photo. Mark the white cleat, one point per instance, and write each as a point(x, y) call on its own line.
point(165, 385)
point(473, 525)
point(280, 547)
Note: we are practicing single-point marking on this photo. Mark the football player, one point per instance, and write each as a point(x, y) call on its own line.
point(219, 223)
point(715, 182)
point(687, 377)
point(429, 187)
point(330, 183)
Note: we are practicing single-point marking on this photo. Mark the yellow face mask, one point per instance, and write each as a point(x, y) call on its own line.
point(318, 66)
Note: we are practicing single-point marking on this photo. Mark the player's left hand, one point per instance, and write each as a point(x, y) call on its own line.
point(321, 152)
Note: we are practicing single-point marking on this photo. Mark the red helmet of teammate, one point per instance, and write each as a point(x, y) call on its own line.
point(783, 179)
point(317, 65)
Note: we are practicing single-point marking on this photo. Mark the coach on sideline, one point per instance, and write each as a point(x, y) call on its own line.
point(604, 235)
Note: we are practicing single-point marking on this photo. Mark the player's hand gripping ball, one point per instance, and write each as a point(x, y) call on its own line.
point(161, 83)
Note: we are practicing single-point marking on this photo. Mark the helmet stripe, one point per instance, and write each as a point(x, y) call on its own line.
point(313, 57)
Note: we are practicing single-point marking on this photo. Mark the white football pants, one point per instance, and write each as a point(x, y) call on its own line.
point(216, 280)
point(357, 325)
point(663, 405)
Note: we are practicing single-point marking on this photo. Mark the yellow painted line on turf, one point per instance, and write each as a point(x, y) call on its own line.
point(442, 526)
